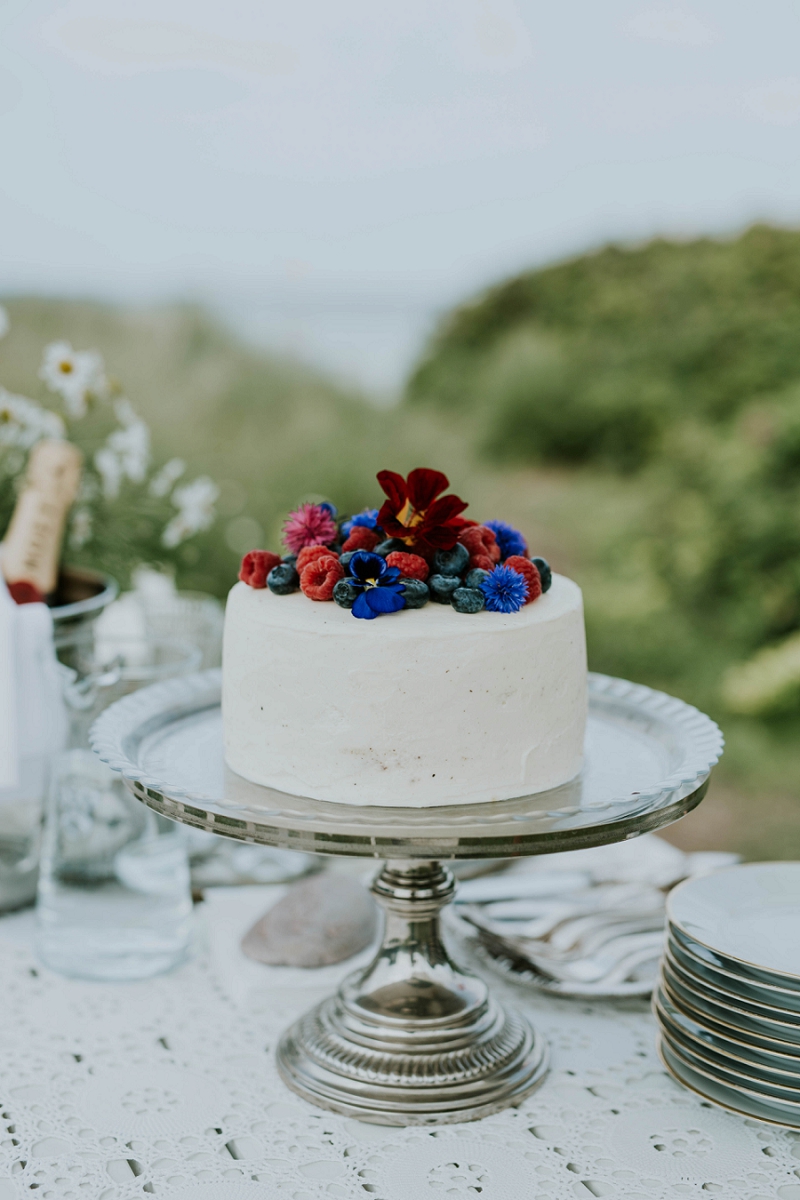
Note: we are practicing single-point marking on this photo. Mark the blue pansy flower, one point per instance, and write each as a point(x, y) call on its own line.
point(379, 591)
point(505, 590)
point(509, 540)
point(368, 518)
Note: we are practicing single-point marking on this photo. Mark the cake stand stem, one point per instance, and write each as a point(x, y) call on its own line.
point(413, 1039)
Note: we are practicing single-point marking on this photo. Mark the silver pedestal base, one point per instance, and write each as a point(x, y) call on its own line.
point(412, 1040)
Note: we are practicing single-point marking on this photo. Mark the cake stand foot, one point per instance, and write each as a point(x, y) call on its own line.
point(412, 1040)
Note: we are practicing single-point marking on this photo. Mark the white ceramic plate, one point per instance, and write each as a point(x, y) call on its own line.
point(737, 1017)
point(716, 1020)
point(749, 913)
point(746, 1105)
point(784, 1084)
point(722, 963)
point(735, 1048)
point(757, 993)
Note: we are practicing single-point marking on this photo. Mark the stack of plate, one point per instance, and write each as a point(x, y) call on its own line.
point(728, 1000)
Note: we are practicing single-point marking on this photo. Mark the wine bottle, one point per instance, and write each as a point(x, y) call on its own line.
point(30, 551)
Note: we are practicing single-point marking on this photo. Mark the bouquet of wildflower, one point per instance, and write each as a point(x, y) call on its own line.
point(130, 509)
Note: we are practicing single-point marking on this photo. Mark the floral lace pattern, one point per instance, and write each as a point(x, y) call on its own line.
point(169, 1089)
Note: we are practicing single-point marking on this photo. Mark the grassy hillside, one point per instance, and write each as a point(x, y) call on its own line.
point(593, 359)
point(272, 433)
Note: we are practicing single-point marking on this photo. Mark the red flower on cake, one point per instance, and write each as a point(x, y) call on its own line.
point(416, 512)
point(309, 525)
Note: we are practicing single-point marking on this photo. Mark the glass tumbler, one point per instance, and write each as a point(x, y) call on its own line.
point(114, 899)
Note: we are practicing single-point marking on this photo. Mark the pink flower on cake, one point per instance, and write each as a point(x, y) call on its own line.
point(309, 525)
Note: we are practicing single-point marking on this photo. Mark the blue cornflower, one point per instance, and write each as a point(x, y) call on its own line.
point(376, 581)
point(509, 540)
point(329, 508)
point(505, 590)
point(368, 518)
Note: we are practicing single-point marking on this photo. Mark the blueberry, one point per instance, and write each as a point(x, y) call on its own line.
point(345, 593)
point(344, 559)
point(468, 599)
point(451, 562)
point(388, 546)
point(442, 587)
point(283, 580)
point(545, 574)
point(475, 577)
point(416, 592)
point(291, 559)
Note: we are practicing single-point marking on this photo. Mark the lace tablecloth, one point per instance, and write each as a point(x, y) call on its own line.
point(168, 1088)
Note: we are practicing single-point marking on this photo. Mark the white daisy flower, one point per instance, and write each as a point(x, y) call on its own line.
point(80, 528)
point(126, 453)
point(195, 503)
point(132, 447)
point(74, 374)
point(167, 477)
point(23, 422)
point(109, 469)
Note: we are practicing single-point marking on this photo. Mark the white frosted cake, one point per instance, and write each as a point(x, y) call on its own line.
point(427, 708)
point(433, 704)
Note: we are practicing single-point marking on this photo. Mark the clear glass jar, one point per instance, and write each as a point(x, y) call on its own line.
point(114, 899)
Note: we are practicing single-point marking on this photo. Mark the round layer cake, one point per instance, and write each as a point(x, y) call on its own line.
point(428, 707)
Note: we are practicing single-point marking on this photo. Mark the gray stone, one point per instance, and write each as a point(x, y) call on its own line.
point(320, 921)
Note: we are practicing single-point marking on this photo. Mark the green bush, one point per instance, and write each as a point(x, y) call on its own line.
point(595, 359)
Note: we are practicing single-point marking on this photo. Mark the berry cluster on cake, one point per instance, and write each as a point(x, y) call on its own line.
point(417, 547)
point(428, 708)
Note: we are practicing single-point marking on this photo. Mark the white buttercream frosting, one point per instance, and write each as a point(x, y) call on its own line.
point(422, 707)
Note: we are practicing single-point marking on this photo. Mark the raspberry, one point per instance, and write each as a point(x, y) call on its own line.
point(361, 538)
point(482, 544)
point(319, 578)
point(256, 566)
point(310, 554)
point(529, 572)
point(410, 565)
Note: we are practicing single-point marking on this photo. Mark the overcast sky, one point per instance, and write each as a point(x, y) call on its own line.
point(331, 173)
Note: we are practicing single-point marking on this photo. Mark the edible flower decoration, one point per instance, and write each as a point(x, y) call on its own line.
point(309, 525)
point(376, 584)
point(416, 549)
point(417, 514)
point(509, 540)
point(505, 590)
point(368, 518)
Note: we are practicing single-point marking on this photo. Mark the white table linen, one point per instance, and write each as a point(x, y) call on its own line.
point(169, 1088)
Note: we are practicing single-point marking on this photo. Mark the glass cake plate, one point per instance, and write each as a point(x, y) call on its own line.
point(413, 1039)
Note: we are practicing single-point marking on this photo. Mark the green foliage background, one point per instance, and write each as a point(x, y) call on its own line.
point(635, 411)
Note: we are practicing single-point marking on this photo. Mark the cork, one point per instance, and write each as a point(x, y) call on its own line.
point(31, 549)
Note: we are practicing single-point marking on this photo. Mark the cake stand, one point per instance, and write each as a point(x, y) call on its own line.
point(413, 1039)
